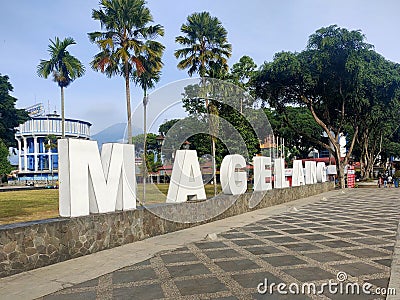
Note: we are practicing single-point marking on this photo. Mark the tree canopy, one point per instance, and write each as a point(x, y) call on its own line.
point(285, 126)
point(205, 46)
point(5, 166)
point(328, 78)
point(151, 141)
point(64, 67)
point(10, 117)
point(127, 45)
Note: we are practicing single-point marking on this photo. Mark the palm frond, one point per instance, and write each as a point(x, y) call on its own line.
point(204, 42)
point(64, 67)
point(126, 32)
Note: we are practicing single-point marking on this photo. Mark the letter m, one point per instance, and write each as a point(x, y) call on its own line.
point(90, 184)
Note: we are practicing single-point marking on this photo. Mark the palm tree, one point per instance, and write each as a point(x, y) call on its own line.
point(64, 67)
point(205, 44)
point(205, 51)
point(152, 65)
point(125, 41)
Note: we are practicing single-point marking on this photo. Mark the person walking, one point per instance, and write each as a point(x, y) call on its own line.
point(385, 181)
point(390, 180)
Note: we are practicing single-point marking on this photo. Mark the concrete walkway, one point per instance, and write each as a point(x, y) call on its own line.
point(351, 232)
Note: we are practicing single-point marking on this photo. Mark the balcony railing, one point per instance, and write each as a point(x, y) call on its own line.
point(45, 126)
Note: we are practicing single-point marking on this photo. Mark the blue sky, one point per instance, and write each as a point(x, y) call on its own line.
point(256, 28)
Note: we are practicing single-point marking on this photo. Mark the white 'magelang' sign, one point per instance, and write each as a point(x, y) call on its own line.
point(90, 183)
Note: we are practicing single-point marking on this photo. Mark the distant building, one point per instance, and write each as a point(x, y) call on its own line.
point(35, 162)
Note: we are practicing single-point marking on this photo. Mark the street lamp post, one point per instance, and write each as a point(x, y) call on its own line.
point(160, 142)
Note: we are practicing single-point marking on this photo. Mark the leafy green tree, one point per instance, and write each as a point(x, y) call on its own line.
point(5, 166)
point(285, 126)
point(205, 51)
point(243, 71)
point(325, 79)
point(153, 162)
point(126, 44)
point(166, 126)
point(152, 149)
point(138, 141)
point(379, 105)
point(241, 74)
point(228, 108)
point(64, 67)
point(10, 117)
point(391, 147)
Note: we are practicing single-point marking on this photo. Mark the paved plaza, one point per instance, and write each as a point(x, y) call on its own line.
point(352, 232)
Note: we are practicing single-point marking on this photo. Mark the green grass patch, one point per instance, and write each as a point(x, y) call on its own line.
point(28, 205)
point(157, 193)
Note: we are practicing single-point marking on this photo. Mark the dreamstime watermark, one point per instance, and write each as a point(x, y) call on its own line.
point(334, 287)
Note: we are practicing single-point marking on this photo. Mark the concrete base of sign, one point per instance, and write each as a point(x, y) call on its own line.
point(26, 246)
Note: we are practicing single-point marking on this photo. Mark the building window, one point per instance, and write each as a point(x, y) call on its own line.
point(31, 162)
point(30, 145)
point(41, 145)
point(55, 161)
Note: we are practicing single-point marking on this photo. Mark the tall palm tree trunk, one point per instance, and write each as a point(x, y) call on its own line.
point(144, 145)
point(213, 151)
point(214, 164)
point(62, 114)
point(128, 102)
point(214, 132)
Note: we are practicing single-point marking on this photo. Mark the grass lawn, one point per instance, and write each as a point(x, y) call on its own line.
point(21, 206)
point(28, 205)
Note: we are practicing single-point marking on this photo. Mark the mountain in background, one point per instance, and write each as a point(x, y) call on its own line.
point(113, 134)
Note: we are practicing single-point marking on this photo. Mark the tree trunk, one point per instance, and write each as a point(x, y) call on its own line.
point(369, 169)
point(363, 165)
point(334, 140)
point(128, 102)
point(214, 131)
point(62, 114)
point(213, 148)
point(365, 154)
point(339, 164)
point(144, 145)
point(340, 172)
point(372, 147)
point(214, 164)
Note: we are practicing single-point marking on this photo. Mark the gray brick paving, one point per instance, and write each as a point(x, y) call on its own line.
point(353, 232)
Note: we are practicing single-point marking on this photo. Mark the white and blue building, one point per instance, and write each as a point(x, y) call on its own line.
point(35, 162)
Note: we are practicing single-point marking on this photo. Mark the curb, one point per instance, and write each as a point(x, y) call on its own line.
point(394, 281)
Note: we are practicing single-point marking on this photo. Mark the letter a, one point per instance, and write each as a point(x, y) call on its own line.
point(186, 179)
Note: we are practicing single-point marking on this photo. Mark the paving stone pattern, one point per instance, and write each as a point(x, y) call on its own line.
point(353, 232)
